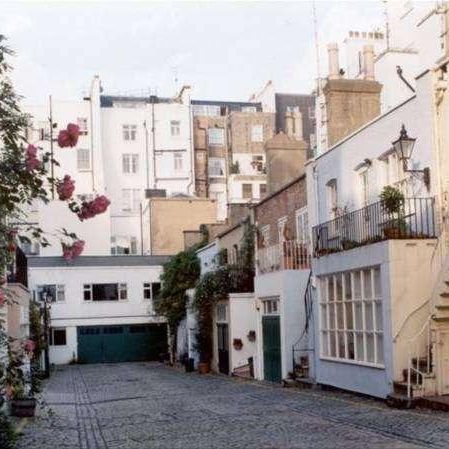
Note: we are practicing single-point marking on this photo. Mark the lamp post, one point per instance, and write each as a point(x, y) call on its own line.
point(46, 298)
point(403, 147)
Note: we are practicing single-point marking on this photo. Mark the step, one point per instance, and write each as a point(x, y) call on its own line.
point(397, 400)
point(444, 295)
point(440, 403)
point(442, 306)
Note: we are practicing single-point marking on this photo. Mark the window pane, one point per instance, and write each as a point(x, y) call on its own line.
point(323, 316)
point(333, 344)
point(367, 289)
point(247, 191)
point(105, 292)
point(341, 345)
point(348, 287)
point(380, 349)
point(332, 316)
point(59, 337)
point(339, 287)
point(351, 353)
point(358, 316)
point(370, 348)
point(340, 318)
point(377, 289)
point(349, 316)
point(156, 286)
point(330, 289)
point(357, 285)
point(324, 342)
point(369, 321)
point(360, 356)
point(378, 312)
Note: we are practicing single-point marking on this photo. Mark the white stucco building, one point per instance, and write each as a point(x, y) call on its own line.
point(376, 323)
point(100, 307)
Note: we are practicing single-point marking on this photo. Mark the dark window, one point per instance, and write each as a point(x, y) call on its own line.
point(90, 331)
point(105, 292)
point(113, 330)
point(247, 191)
point(156, 287)
point(58, 337)
point(262, 190)
point(137, 329)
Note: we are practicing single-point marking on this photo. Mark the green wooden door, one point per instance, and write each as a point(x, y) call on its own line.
point(271, 330)
point(124, 343)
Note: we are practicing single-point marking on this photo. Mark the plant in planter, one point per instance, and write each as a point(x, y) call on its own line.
point(393, 200)
point(251, 336)
point(238, 344)
point(20, 388)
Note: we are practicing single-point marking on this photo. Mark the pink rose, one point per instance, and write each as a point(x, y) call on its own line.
point(29, 346)
point(70, 252)
point(69, 136)
point(31, 160)
point(97, 206)
point(65, 188)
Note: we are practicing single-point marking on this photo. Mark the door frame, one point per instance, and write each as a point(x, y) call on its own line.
point(442, 344)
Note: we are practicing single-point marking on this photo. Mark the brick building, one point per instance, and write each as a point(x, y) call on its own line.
point(229, 140)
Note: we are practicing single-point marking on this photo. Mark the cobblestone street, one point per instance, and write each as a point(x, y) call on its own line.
point(146, 405)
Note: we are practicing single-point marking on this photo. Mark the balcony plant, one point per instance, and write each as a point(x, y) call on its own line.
point(392, 200)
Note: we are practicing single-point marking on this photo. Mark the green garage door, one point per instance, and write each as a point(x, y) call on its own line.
point(125, 343)
point(271, 332)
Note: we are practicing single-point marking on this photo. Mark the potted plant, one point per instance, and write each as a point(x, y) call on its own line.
point(20, 387)
point(251, 336)
point(392, 200)
point(237, 343)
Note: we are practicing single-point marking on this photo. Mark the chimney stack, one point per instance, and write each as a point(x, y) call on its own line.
point(334, 66)
point(297, 119)
point(289, 127)
point(368, 62)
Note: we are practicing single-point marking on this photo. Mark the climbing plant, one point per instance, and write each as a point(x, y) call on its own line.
point(179, 275)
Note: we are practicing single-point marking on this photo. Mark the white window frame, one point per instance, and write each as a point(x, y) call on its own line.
point(83, 125)
point(265, 232)
point(302, 225)
point(215, 136)
point(129, 132)
point(130, 163)
point(59, 291)
point(351, 317)
point(122, 291)
point(175, 128)
point(83, 161)
point(257, 133)
point(131, 244)
point(252, 191)
point(178, 161)
point(52, 337)
point(221, 313)
point(281, 228)
point(270, 305)
point(130, 200)
point(216, 167)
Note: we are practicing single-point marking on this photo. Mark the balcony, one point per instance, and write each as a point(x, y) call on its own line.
point(288, 255)
point(371, 224)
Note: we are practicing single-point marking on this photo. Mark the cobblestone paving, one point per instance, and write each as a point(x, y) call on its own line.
point(147, 405)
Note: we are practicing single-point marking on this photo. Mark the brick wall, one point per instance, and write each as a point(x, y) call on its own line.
point(284, 203)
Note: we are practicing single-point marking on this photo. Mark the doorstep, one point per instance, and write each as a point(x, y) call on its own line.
point(440, 403)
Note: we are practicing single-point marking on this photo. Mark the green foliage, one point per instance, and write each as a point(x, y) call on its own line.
point(7, 435)
point(180, 274)
point(392, 199)
point(211, 288)
point(235, 168)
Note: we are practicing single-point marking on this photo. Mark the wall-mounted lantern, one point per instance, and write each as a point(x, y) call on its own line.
point(403, 147)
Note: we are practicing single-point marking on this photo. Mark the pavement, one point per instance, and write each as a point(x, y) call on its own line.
point(151, 406)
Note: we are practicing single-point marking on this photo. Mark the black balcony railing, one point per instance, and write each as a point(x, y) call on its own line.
point(373, 223)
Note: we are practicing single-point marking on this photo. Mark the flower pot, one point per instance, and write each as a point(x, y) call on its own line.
point(204, 367)
point(392, 233)
point(23, 408)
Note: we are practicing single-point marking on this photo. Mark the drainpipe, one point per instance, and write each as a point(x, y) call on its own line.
point(153, 135)
point(192, 149)
point(141, 229)
point(92, 142)
point(401, 76)
point(147, 156)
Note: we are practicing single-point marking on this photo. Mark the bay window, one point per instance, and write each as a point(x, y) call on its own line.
point(351, 324)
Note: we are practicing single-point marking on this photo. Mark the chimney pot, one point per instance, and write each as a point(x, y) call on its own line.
point(334, 66)
point(368, 62)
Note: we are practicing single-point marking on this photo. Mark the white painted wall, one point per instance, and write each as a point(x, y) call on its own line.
point(290, 287)
point(74, 311)
point(242, 319)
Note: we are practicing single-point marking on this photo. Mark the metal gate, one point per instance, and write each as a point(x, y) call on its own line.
point(271, 330)
point(123, 343)
point(223, 348)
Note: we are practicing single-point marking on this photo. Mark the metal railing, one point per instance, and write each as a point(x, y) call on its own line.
point(303, 353)
point(373, 223)
point(288, 255)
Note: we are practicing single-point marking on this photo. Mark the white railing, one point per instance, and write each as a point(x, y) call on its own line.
point(288, 255)
point(419, 358)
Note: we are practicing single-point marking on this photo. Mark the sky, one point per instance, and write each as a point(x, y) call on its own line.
point(224, 50)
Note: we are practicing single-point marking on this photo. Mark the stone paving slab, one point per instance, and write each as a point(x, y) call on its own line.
point(150, 406)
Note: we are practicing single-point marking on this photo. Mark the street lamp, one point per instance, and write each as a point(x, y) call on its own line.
point(403, 147)
point(47, 298)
